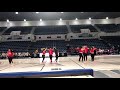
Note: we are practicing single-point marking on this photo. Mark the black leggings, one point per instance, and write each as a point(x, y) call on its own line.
point(85, 56)
point(118, 51)
point(92, 57)
point(43, 56)
point(56, 57)
point(80, 55)
point(10, 60)
point(50, 57)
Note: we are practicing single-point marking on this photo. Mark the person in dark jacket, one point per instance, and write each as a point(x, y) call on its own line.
point(56, 54)
point(118, 49)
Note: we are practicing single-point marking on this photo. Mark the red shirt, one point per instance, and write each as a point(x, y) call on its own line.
point(92, 51)
point(10, 54)
point(43, 52)
point(86, 50)
point(50, 51)
point(94, 48)
point(81, 50)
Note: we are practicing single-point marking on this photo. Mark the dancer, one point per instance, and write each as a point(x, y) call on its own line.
point(118, 49)
point(10, 55)
point(56, 54)
point(43, 54)
point(81, 49)
point(93, 53)
point(50, 54)
point(85, 53)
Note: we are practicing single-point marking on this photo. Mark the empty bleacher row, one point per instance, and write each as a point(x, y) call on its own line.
point(62, 29)
point(2, 29)
point(112, 40)
point(28, 46)
point(89, 42)
point(108, 28)
point(24, 30)
point(59, 44)
point(17, 46)
point(47, 30)
point(77, 28)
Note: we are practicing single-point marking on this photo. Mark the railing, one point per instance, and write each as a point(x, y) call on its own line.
point(109, 34)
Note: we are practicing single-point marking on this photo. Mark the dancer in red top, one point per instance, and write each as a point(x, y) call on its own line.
point(92, 52)
point(81, 53)
point(85, 53)
point(50, 54)
point(10, 55)
point(43, 54)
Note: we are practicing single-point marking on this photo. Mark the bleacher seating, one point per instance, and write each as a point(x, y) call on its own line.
point(113, 40)
point(47, 30)
point(89, 42)
point(28, 46)
point(17, 46)
point(24, 30)
point(59, 44)
point(108, 28)
point(77, 28)
point(2, 28)
point(24, 46)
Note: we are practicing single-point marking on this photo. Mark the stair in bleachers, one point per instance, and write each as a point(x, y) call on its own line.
point(68, 27)
point(32, 31)
point(4, 29)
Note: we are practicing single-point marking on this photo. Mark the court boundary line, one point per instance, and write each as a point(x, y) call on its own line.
point(77, 63)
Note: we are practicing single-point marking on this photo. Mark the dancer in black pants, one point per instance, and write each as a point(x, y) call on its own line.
point(10, 55)
point(118, 49)
point(81, 54)
point(92, 51)
point(85, 53)
point(43, 54)
point(56, 54)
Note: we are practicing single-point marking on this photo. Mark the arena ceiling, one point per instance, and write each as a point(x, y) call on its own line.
point(33, 16)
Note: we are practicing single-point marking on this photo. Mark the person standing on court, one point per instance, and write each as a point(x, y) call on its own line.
point(56, 54)
point(10, 55)
point(43, 55)
point(50, 54)
point(118, 49)
point(81, 49)
point(93, 53)
point(85, 53)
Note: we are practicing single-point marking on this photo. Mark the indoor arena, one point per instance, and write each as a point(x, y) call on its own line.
point(60, 45)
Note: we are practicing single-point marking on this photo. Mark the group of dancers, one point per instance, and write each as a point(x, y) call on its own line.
point(10, 54)
point(50, 51)
point(83, 52)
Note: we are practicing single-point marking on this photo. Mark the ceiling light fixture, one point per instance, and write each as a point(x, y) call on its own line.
point(7, 20)
point(60, 19)
point(107, 18)
point(89, 18)
point(76, 19)
point(16, 12)
point(37, 12)
point(40, 19)
point(24, 20)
